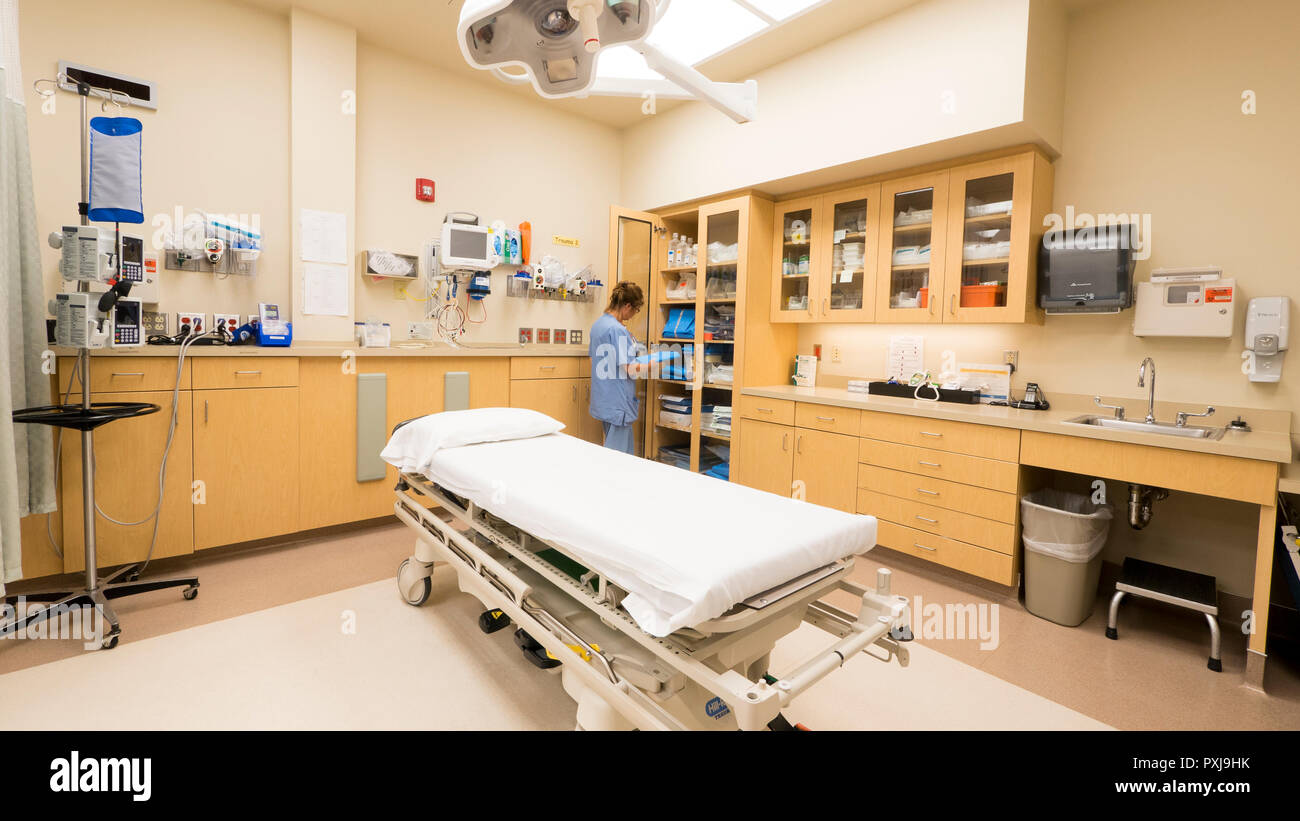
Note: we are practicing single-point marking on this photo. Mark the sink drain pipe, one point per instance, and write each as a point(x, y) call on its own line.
point(1141, 500)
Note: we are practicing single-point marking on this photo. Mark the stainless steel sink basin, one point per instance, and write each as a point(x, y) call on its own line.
point(1159, 428)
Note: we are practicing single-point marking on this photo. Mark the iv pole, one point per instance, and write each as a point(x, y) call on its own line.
point(87, 416)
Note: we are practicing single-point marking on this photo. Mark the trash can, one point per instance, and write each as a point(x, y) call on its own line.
point(1063, 533)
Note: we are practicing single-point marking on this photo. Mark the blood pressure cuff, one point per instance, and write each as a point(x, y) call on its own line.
point(115, 187)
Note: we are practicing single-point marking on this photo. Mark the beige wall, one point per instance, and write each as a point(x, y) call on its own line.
point(1153, 124)
point(219, 141)
point(493, 153)
point(870, 93)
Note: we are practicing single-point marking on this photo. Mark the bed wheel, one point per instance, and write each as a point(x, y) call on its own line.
point(490, 621)
point(419, 593)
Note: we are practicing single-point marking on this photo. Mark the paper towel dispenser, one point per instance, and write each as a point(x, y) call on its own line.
point(1086, 270)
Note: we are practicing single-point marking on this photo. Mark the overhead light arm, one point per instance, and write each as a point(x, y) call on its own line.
point(739, 101)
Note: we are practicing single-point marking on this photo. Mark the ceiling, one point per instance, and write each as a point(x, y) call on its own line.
point(426, 30)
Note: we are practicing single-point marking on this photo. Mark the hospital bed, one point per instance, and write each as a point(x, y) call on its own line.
point(650, 630)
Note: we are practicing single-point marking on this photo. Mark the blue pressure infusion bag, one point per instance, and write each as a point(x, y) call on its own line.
point(115, 170)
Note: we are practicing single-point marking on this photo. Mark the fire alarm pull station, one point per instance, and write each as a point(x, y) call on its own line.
point(424, 190)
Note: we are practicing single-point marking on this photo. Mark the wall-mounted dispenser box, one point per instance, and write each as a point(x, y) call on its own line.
point(1086, 270)
point(1190, 302)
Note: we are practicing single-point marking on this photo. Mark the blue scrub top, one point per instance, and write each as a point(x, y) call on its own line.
point(613, 393)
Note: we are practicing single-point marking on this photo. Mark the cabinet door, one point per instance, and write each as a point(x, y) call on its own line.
point(246, 455)
point(766, 456)
point(557, 398)
point(128, 454)
point(589, 428)
point(844, 285)
point(797, 259)
point(912, 246)
point(826, 468)
point(991, 241)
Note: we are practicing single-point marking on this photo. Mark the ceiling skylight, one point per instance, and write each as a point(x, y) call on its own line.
point(694, 30)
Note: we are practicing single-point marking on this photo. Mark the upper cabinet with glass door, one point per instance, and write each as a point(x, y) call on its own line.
point(844, 286)
point(797, 257)
point(995, 215)
point(912, 247)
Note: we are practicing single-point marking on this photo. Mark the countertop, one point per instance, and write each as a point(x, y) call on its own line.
point(336, 349)
point(1270, 441)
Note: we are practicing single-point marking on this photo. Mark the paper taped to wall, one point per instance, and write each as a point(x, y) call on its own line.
point(324, 237)
point(325, 290)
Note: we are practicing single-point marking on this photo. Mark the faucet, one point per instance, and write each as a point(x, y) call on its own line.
point(1142, 375)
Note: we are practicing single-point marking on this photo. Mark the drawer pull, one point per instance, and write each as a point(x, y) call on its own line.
point(923, 547)
point(932, 464)
point(785, 443)
point(928, 433)
point(764, 410)
point(133, 373)
point(931, 521)
point(825, 418)
point(927, 492)
point(247, 373)
point(546, 367)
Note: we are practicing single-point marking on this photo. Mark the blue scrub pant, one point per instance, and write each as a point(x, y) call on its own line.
point(619, 438)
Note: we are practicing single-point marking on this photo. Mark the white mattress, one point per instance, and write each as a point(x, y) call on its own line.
point(686, 547)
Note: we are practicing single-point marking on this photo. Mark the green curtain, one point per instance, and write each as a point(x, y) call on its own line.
point(26, 451)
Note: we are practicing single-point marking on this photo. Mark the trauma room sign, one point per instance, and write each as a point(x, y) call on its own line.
point(567, 242)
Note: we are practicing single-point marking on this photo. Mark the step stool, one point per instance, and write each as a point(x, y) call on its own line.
point(1183, 588)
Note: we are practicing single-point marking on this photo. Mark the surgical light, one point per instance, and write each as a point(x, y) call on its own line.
point(556, 44)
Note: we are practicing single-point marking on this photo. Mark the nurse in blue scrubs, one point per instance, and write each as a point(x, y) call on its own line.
point(613, 350)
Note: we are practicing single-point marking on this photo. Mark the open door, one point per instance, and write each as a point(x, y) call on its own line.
point(633, 240)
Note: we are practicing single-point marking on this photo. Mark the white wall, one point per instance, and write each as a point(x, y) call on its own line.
point(872, 92)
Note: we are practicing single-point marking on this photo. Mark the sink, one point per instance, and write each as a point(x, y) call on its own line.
point(1159, 428)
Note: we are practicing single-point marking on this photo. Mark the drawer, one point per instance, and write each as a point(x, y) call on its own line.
point(938, 434)
point(979, 501)
point(245, 372)
point(827, 417)
point(122, 374)
point(776, 411)
point(952, 467)
point(963, 527)
point(987, 564)
point(545, 367)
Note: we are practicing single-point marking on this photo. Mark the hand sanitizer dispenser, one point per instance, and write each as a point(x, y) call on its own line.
point(1268, 321)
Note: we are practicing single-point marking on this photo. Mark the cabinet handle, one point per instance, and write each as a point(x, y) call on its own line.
point(927, 492)
point(575, 393)
point(247, 373)
point(205, 411)
point(830, 419)
point(134, 373)
point(765, 410)
point(546, 367)
point(826, 307)
point(785, 443)
point(931, 521)
point(932, 464)
point(923, 547)
point(798, 444)
point(928, 433)
point(952, 305)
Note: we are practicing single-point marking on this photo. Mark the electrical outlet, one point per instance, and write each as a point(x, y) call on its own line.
point(835, 353)
point(419, 330)
point(230, 321)
point(198, 322)
point(1011, 358)
point(155, 322)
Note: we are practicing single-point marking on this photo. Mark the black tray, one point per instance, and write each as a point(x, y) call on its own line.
point(909, 392)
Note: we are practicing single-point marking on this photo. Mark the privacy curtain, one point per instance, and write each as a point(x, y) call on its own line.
point(26, 451)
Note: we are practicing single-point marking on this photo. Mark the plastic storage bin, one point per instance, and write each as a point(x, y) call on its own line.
point(1063, 534)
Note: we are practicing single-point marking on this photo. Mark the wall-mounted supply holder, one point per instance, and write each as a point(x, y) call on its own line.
point(235, 261)
point(522, 288)
point(381, 265)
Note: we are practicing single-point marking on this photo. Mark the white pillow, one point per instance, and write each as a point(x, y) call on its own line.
point(414, 445)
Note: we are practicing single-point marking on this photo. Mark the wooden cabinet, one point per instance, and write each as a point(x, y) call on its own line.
point(911, 252)
point(797, 258)
point(128, 454)
point(825, 468)
point(765, 460)
point(246, 456)
point(565, 400)
point(589, 428)
point(995, 224)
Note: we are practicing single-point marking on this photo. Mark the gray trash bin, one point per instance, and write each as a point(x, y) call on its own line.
point(1063, 534)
